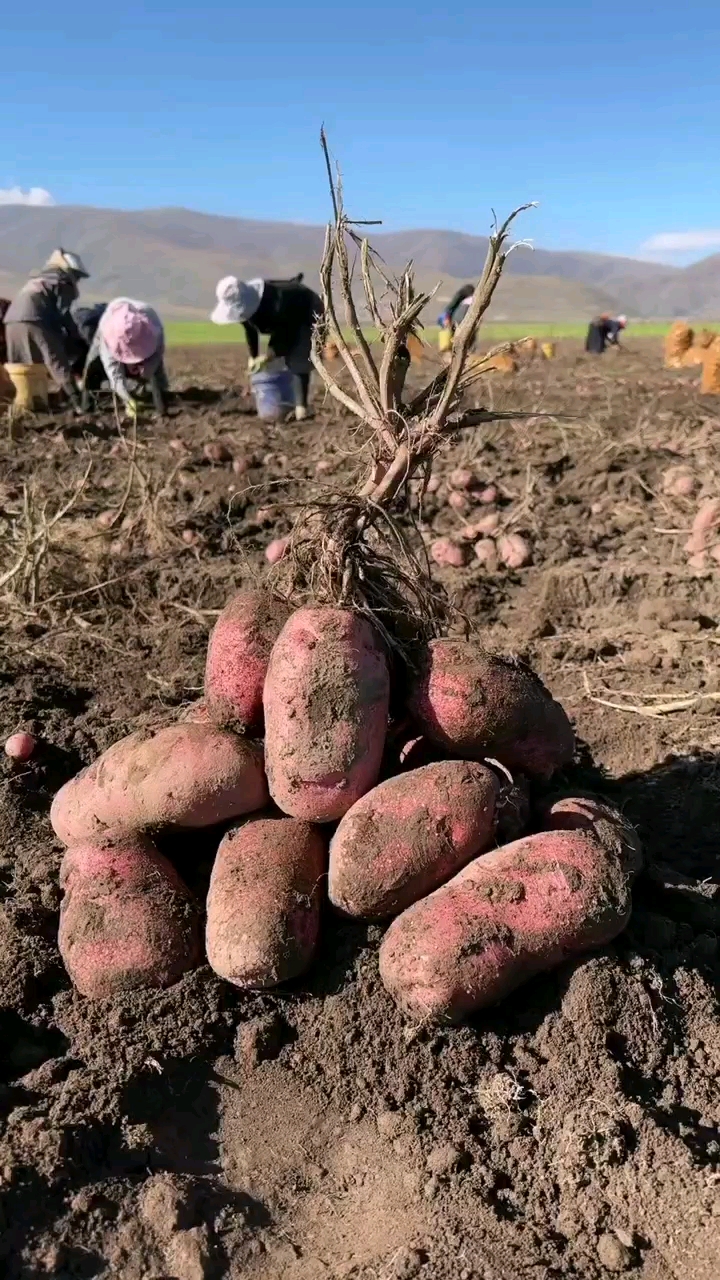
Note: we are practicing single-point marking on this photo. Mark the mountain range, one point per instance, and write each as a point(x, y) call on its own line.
point(173, 258)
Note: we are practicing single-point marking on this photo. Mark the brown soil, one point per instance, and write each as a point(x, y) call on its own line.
point(199, 1131)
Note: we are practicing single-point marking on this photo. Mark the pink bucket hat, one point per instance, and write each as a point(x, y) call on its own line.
point(131, 333)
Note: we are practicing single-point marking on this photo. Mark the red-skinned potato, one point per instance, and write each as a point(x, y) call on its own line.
point(445, 551)
point(410, 834)
point(326, 701)
point(185, 775)
point(512, 913)
point(263, 907)
point(237, 658)
point(126, 920)
point(514, 551)
point(478, 705)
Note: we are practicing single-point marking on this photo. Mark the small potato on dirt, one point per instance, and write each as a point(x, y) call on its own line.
point(478, 705)
point(276, 550)
point(178, 446)
point(191, 538)
point(126, 919)
point(447, 552)
point(323, 467)
point(410, 834)
point(20, 747)
point(238, 655)
point(241, 466)
point(514, 551)
point(486, 495)
point(679, 482)
point(487, 525)
point(106, 519)
point(486, 552)
point(704, 527)
point(511, 913)
point(459, 501)
point(462, 478)
point(433, 484)
point(216, 452)
point(185, 775)
point(263, 907)
point(326, 702)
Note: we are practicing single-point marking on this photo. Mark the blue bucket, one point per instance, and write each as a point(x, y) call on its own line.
point(273, 393)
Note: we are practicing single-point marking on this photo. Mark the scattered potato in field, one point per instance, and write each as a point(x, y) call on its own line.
point(462, 478)
point(514, 551)
point(459, 501)
point(184, 775)
point(486, 525)
point(238, 655)
point(433, 484)
point(20, 746)
point(479, 705)
point(216, 452)
point(705, 527)
point(445, 551)
point(326, 703)
point(263, 907)
point(126, 920)
point(106, 519)
point(679, 482)
point(487, 495)
point(486, 552)
point(409, 834)
point(276, 550)
point(241, 466)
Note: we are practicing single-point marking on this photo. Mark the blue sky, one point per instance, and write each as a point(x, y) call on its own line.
point(607, 115)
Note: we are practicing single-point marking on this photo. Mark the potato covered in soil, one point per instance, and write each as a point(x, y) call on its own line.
point(126, 920)
point(263, 907)
point(478, 705)
point(410, 834)
point(514, 912)
point(326, 705)
point(238, 655)
point(185, 775)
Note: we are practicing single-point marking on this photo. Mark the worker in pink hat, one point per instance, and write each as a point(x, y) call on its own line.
point(130, 345)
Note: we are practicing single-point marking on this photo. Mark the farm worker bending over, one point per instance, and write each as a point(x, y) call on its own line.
point(39, 328)
point(130, 344)
point(451, 316)
point(285, 310)
point(603, 331)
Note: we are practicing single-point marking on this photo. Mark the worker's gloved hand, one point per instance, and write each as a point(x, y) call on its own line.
point(75, 401)
point(257, 363)
point(301, 413)
point(131, 409)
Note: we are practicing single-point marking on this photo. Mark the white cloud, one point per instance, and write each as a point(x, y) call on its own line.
point(682, 241)
point(34, 196)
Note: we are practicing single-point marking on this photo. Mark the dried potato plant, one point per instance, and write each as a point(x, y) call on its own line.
point(351, 550)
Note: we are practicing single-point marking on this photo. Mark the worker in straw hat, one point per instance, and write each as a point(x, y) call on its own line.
point(604, 331)
point(129, 343)
point(285, 310)
point(39, 328)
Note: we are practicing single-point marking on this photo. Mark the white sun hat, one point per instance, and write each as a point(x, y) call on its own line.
point(68, 261)
point(237, 300)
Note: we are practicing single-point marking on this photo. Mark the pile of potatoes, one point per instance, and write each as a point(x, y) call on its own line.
point(482, 534)
point(326, 774)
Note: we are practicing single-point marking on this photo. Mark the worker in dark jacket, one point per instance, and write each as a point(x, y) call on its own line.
point(604, 331)
point(460, 301)
point(4, 307)
point(285, 310)
point(39, 328)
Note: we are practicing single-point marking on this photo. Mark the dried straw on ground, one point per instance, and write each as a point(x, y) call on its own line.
point(678, 340)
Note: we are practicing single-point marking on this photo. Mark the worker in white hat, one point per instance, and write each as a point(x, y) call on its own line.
point(39, 328)
point(285, 310)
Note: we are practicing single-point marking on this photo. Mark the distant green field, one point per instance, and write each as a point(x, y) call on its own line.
point(200, 333)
